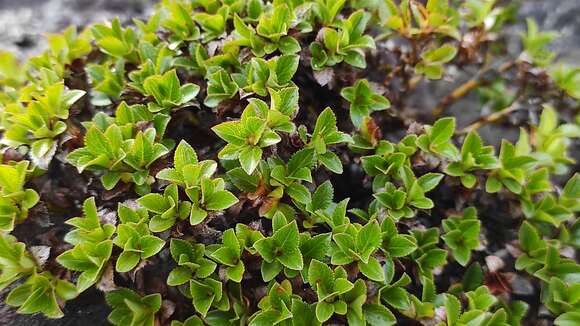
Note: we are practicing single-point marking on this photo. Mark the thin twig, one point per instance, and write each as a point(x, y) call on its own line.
point(491, 118)
point(466, 87)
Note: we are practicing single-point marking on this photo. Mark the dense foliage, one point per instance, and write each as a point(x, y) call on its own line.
point(271, 163)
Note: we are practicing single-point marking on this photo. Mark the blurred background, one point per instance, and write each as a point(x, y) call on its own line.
point(24, 22)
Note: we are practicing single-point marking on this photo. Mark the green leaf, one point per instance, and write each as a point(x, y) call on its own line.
point(97, 143)
point(324, 311)
point(473, 277)
point(130, 308)
point(197, 215)
point(242, 180)
point(299, 193)
point(292, 259)
point(316, 247)
point(432, 71)
point(18, 295)
point(368, 239)
point(325, 122)
point(471, 145)
point(429, 181)
point(184, 154)
point(303, 313)
point(250, 156)
point(236, 273)
point(160, 224)
point(231, 242)
point(433, 258)
point(320, 276)
point(154, 203)
point(113, 46)
point(151, 245)
point(288, 45)
point(571, 318)
point(270, 270)
point(493, 185)
point(440, 55)
point(529, 237)
point(322, 197)
point(401, 246)
point(265, 248)
point(468, 180)
point(203, 295)
point(452, 309)
point(221, 200)
point(286, 67)
point(285, 100)
point(378, 315)
point(127, 261)
point(220, 87)
point(110, 179)
point(230, 131)
point(331, 161)
point(442, 131)
point(286, 239)
point(396, 297)
point(65, 290)
point(304, 158)
point(373, 270)
point(179, 275)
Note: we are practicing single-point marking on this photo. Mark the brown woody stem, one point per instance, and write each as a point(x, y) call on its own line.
point(465, 88)
point(496, 116)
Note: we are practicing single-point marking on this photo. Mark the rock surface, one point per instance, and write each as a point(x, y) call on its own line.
point(23, 23)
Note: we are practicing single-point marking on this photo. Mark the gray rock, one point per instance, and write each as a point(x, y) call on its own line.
point(24, 23)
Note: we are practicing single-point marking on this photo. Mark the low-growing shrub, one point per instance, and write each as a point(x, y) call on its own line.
point(234, 162)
